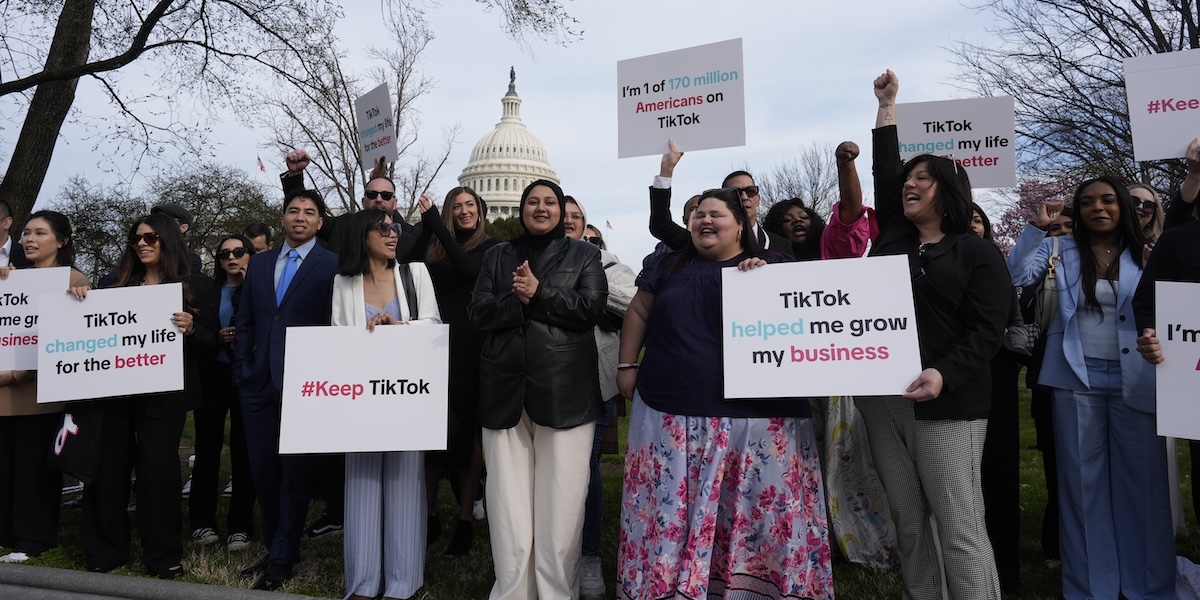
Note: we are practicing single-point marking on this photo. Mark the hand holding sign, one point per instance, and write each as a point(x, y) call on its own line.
point(670, 158)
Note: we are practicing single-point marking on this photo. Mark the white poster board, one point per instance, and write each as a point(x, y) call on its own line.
point(1163, 91)
point(349, 390)
point(376, 127)
point(116, 342)
point(695, 95)
point(1178, 329)
point(820, 328)
point(19, 298)
point(979, 133)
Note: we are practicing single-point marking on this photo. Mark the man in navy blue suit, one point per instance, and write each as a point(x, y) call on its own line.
point(286, 286)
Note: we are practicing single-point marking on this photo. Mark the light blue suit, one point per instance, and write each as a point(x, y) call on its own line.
point(1115, 530)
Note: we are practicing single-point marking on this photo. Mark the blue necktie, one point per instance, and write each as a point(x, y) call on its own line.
point(289, 271)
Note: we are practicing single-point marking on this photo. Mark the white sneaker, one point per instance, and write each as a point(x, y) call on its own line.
point(14, 557)
point(192, 461)
point(591, 578)
point(238, 541)
point(187, 488)
point(228, 489)
point(204, 536)
point(477, 511)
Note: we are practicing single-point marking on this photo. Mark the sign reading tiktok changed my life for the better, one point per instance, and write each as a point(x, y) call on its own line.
point(115, 342)
point(977, 133)
point(820, 328)
point(695, 96)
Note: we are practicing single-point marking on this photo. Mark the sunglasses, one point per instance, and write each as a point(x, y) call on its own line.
point(150, 238)
point(372, 194)
point(1147, 206)
point(593, 239)
point(236, 253)
point(387, 229)
point(750, 191)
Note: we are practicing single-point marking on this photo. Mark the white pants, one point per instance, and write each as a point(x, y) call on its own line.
point(536, 487)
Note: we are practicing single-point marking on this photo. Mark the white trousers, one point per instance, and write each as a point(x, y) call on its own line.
point(536, 487)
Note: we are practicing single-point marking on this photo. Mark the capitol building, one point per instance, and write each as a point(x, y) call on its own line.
point(505, 160)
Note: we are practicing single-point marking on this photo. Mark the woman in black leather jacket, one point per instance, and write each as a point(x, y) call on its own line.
point(538, 298)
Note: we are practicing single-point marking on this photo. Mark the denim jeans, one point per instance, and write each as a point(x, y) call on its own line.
point(594, 506)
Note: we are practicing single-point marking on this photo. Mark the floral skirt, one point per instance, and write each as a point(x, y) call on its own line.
point(722, 508)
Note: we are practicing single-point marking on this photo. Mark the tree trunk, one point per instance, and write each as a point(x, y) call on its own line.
point(47, 110)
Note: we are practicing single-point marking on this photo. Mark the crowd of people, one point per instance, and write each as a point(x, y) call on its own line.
point(550, 334)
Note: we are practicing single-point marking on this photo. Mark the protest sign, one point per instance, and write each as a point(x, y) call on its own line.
point(116, 342)
point(695, 95)
point(1163, 91)
point(978, 133)
point(388, 394)
point(820, 328)
point(19, 296)
point(1178, 329)
point(376, 126)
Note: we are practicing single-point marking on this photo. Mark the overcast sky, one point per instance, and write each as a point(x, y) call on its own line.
point(808, 71)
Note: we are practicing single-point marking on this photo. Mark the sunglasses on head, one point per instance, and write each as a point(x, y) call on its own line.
point(372, 194)
point(1147, 206)
point(235, 252)
point(593, 239)
point(386, 229)
point(750, 190)
point(149, 237)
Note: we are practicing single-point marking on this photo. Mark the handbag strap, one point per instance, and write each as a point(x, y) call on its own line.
point(410, 290)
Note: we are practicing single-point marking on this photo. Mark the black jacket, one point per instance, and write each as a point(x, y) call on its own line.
point(961, 334)
point(540, 357)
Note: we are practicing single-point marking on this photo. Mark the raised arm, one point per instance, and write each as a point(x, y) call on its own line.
point(662, 226)
point(886, 167)
point(1028, 260)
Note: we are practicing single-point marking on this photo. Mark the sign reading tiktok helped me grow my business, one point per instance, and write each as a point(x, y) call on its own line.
point(1164, 103)
point(820, 328)
point(115, 342)
point(977, 133)
point(695, 96)
point(19, 296)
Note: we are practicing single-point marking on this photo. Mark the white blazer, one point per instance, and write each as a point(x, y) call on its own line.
point(349, 301)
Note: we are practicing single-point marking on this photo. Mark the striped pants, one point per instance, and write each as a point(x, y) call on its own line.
point(930, 469)
point(384, 535)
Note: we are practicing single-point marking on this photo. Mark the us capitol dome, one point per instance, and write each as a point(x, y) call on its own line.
point(505, 160)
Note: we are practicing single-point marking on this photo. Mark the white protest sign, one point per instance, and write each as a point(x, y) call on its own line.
point(378, 391)
point(19, 295)
point(820, 328)
point(116, 342)
point(978, 133)
point(695, 95)
point(1178, 329)
point(376, 129)
point(1163, 91)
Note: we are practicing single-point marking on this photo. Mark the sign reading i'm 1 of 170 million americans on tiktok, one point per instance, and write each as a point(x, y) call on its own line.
point(695, 96)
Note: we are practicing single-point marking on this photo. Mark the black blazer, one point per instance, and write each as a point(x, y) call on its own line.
point(540, 357)
point(968, 272)
point(262, 326)
point(676, 237)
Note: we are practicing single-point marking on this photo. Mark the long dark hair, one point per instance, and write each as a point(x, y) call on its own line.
point(219, 274)
point(354, 259)
point(733, 201)
point(811, 248)
point(953, 198)
point(60, 226)
point(174, 262)
point(436, 252)
point(1129, 235)
point(987, 223)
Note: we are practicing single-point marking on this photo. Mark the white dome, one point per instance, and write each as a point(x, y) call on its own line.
point(506, 159)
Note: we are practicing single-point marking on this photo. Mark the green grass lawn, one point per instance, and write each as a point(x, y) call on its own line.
point(320, 573)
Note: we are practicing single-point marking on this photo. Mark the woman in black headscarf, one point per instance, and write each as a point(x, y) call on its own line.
point(538, 298)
